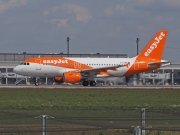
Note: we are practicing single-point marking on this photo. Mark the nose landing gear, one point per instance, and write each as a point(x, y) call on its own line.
point(37, 82)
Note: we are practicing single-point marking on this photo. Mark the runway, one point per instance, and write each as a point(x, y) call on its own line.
point(90, 87)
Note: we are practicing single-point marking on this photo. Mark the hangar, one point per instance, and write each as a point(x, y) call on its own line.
point(169, 75)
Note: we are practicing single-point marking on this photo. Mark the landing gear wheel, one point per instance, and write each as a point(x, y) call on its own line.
point(37, 82)
point(92, 83)
point(85, 83)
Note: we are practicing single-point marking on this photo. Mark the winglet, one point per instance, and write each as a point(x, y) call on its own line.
point(154, 49)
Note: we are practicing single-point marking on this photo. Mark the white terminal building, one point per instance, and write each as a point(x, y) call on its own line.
point(169, 75)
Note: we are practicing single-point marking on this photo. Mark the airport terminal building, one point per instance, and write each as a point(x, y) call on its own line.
point(169, 75)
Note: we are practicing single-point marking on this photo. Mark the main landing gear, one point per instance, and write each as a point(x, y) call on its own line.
point(91, 83)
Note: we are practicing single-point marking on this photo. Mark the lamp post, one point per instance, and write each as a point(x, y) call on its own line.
point(137, 41)
point(68, 46)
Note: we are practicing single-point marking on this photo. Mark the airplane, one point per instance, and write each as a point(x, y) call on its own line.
point(85, 70)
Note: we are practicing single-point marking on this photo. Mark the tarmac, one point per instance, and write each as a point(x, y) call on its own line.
point(93, 87)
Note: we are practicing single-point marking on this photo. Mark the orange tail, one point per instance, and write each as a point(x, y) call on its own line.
point(154, 49)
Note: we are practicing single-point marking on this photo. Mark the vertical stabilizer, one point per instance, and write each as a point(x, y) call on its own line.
point(154, 49)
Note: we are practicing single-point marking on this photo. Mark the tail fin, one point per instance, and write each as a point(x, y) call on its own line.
point(154, 49)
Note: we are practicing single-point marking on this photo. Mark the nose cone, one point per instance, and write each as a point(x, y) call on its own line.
point(16, 70)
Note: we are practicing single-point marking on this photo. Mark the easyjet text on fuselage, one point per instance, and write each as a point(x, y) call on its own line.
point(59, 61)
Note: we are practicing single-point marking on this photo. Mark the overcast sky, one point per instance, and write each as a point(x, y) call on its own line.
point(94, 26)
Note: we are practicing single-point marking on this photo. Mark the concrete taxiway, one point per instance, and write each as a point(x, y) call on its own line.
point(90, 87)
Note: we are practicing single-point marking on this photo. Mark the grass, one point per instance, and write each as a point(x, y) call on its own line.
point(18, 107)
point(89, 99)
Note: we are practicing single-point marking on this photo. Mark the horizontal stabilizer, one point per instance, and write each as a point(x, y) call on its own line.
point(163, 63)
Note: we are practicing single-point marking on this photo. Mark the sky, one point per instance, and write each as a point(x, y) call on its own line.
point(94, 26)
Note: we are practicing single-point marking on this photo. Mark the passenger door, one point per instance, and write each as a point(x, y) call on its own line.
point(38, 64)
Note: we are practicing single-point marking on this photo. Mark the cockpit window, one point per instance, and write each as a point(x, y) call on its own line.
point(25, 63)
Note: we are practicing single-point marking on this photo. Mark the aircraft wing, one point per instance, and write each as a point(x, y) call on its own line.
point(99, 69)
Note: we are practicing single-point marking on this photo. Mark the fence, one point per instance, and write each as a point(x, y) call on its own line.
point(154, 121)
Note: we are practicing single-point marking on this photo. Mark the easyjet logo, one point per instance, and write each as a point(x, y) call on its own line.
point(154, 44)
point(55, 61)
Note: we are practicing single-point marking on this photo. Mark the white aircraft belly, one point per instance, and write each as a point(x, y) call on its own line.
point(119, 72)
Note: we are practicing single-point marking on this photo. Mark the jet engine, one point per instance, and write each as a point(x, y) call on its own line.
point(72, 77)
point(59, 79)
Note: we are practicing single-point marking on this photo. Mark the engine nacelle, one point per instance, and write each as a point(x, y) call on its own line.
point(59, 79)
point(72, 77)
